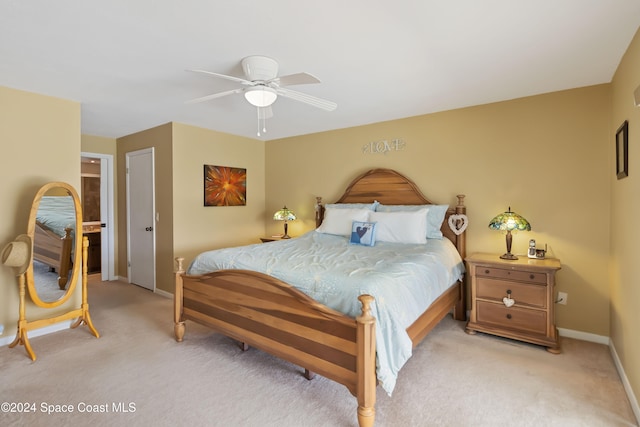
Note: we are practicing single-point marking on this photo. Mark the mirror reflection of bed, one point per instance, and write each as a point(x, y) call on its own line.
point(46, 282)
point(54, 246)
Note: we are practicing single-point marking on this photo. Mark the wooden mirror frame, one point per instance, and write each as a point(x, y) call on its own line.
point(76, 259)
point(80, 253)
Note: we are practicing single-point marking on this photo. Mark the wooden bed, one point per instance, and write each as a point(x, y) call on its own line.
point(54, 251)
point(262, 311)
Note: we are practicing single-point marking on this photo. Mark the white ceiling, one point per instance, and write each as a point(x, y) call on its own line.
point(125, 60)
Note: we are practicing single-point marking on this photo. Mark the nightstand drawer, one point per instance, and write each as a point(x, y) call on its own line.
point(521, 319)
point(523, 294)
point(500, 273)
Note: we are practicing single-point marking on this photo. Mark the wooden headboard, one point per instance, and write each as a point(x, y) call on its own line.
point(392, 188)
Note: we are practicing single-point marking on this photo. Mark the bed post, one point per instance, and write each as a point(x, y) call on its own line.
point(460, 309)
point(65, 263)
point(177, 302)
point(319, 208)
point(461, 241)
point(366, 363)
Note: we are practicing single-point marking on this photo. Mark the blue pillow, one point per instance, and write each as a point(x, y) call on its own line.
point(435, 216)
point(363, 233)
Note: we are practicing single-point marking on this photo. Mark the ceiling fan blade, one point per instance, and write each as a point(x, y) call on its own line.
point(308, 99)
point(224, 76)
point(214, 96)
point(296, 79)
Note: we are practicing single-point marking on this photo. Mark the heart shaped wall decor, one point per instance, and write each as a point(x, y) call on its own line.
point(458, 223)
point(508, 302)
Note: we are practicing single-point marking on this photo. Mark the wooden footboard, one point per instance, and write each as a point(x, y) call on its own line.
point(271, 315)
point(54, 251)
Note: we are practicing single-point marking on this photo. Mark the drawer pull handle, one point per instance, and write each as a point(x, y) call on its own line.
point(487, 271)
point(508, 316)
point(532, 276)
point(508, 301)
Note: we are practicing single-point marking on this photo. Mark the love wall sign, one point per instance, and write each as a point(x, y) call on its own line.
point(384, 146)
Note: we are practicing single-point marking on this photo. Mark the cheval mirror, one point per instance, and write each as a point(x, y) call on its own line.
point(58, 260)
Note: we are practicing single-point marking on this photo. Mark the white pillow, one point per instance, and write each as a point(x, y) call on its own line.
point(338, 221)
point(435, 216)
point(400, 227)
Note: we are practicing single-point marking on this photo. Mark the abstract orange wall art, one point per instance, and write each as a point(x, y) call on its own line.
point(225, 186)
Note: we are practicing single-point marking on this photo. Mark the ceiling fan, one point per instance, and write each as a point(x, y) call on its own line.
point(262, 86)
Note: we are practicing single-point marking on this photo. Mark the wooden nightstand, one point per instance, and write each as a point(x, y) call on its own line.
point(530, 283)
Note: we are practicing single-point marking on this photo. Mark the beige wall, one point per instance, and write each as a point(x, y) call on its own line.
point(625, 210)
point(40, 136)
point(545, 156)
point(160, 139)
point(186, 227)
point(196, 227)
point(99, 144)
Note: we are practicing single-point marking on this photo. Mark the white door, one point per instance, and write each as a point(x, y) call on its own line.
point(140, 218)
point(106, 222)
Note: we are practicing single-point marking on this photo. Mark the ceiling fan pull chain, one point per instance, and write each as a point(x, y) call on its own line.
point(262, 115)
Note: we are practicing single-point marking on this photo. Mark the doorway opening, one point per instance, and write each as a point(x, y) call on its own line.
point(96, 194)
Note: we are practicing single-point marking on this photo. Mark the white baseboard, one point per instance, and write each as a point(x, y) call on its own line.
point(584, 336)
point(164, 293)
point(599, 339)
point(41, 331)
point(625, 382)
point(157, 291)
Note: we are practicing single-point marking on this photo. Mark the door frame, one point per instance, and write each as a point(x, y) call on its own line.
point(153, 198)
point(107, 176)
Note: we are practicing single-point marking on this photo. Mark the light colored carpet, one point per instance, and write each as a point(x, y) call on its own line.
point(453, 379)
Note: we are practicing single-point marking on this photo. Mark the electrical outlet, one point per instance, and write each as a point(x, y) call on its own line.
point(562, 298)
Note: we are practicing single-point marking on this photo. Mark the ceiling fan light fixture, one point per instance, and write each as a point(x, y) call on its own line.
point(260, 96)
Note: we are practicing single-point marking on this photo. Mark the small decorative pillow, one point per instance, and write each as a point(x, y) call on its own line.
point(401, 227)
point(363, 233)
point(339, 221)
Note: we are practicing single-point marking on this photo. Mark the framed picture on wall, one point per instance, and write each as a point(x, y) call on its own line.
point(622, 150)
point(225, 186)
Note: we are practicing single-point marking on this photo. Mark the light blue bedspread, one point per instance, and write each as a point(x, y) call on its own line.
point(57, 213)
point(404, 279)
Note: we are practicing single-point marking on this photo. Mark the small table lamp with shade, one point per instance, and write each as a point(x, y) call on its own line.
point(285, 215)
point(509, 221)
